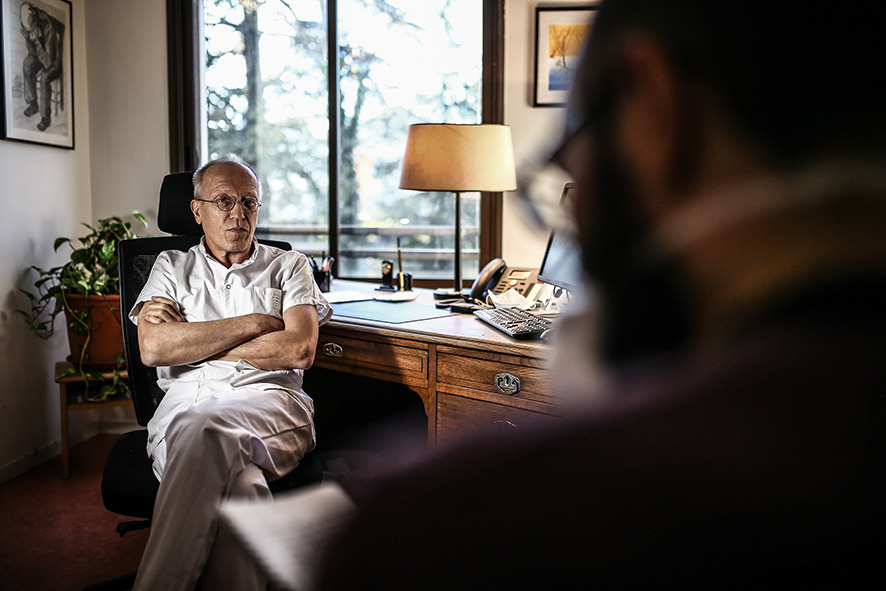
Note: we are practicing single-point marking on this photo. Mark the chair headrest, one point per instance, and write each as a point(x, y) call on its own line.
point(174, 214)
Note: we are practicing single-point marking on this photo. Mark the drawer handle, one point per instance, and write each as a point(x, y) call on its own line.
point(332, 350)
point(507, 383)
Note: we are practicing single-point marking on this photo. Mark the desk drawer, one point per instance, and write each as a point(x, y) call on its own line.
point(458, 417)
point(373, 358)
point(496, 375)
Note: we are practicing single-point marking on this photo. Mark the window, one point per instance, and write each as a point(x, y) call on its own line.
point(328, 144)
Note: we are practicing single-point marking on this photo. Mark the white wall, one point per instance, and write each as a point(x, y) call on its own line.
point(533, 129)
point(121, 152)
point(45, 194)
point(128, 104)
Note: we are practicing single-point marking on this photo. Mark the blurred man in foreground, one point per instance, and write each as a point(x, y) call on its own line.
point(730, 163)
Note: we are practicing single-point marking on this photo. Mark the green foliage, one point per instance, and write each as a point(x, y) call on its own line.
point(91, 269)
point(109, 386)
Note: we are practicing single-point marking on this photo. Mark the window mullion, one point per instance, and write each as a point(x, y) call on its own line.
point(493, 112)
point(333, 78)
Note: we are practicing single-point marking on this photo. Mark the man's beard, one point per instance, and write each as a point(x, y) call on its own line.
point(643, 309)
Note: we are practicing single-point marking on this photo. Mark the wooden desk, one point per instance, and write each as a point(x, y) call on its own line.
point(71, 391)
point(469, 376)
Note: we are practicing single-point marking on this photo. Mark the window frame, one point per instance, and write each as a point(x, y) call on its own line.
point(184, 55)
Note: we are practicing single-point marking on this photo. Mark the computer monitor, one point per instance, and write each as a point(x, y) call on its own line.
point(561, 265)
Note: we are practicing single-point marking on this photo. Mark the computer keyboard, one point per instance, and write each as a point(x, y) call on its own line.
point(514, 322)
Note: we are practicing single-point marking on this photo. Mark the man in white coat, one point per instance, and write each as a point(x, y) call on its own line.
point(231, 325)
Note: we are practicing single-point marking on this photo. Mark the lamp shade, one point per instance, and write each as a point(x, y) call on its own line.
point(447, 157)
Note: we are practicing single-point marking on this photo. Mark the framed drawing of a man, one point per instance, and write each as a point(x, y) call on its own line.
point(37, 66)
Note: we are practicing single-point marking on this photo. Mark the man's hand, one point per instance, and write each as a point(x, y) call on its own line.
point(291, 348)
point(160, 310)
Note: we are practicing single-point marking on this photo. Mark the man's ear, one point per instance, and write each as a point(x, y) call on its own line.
point(195, 209)
point(652, 132)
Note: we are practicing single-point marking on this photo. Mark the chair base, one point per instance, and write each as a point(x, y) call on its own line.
point(124, 527)
point(123, 583)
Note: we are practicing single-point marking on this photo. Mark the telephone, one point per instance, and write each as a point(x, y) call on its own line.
point(496, 277)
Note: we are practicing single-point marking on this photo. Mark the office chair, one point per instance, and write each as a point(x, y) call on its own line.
point(129, 486)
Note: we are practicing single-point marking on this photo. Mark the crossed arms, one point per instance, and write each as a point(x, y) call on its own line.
point(165, 337)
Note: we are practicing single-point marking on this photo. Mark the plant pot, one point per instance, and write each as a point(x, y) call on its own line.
point(106, 338)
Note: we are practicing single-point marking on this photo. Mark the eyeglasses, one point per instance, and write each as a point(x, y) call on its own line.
point(226, 203)
point(541, 175)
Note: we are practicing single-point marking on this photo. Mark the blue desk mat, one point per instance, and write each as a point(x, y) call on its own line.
point(393, 312)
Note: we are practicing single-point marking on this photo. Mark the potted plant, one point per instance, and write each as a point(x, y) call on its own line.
point(86, 289)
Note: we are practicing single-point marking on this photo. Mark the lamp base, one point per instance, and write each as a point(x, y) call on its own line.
point(442, 293)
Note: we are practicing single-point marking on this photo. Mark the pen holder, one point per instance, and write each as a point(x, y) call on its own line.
point(323, 279)
point(404, 281)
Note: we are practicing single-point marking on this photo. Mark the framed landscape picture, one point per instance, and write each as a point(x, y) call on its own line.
point(37, 72)
point(559, 36)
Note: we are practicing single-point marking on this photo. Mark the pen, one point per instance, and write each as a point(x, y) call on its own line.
point(399, 256)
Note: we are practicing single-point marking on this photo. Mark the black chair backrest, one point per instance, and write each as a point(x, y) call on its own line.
point(135, 259)
point(174, 214)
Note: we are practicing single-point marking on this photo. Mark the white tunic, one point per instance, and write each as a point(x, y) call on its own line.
point(269, 282)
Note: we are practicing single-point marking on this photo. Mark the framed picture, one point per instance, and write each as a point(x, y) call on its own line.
point(559, 36)
point(37, 72)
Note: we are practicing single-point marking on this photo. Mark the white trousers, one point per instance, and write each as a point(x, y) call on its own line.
point(225, 446)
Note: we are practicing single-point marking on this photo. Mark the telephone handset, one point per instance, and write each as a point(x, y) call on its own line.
point(496, 277)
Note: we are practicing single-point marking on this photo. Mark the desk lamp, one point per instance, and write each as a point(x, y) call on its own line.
point(458, 158)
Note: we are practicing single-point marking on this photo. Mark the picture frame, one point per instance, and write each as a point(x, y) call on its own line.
point(560, 33)
point(37, 72)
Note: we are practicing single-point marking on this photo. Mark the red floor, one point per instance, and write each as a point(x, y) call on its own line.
point(55, 535)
